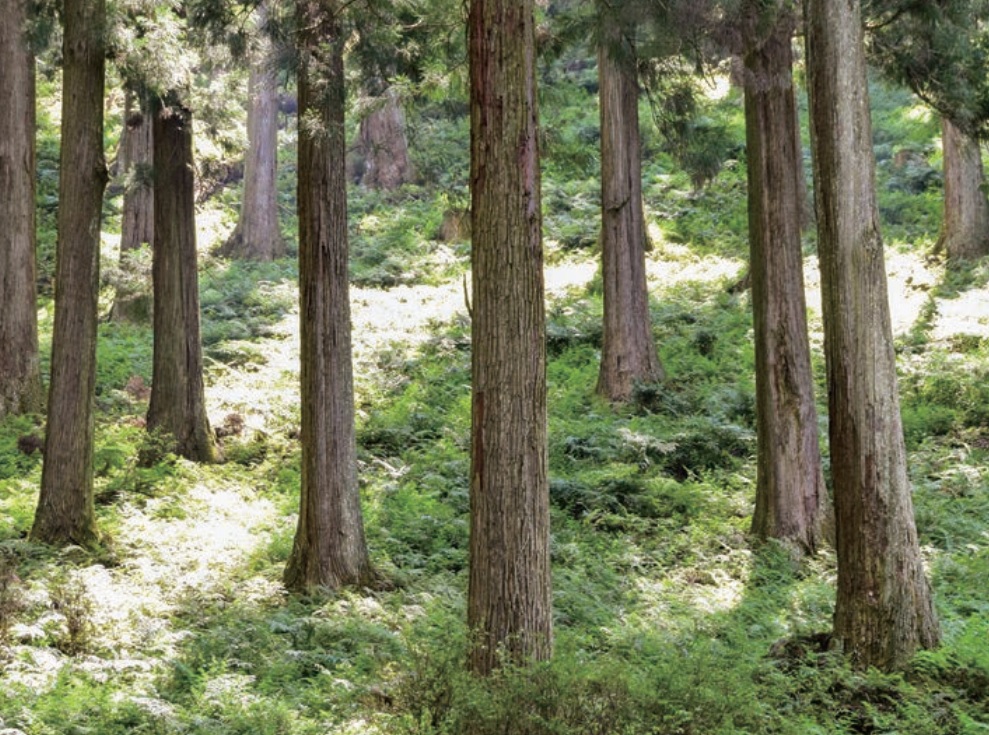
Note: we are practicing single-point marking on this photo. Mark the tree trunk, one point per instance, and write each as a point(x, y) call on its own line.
point(256, 236)
point(791, 498)
point(20, 370)
point(965, 227)
point(178, 405)
point(65, 505)
point(137, 220)
point(383, 145)
point(884, 611)
point(628, 354)
point(329, 549)
point(509, 606)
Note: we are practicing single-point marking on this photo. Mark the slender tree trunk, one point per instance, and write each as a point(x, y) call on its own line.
point(791, 498)
point(884, 611)
point(329, 549)
point(20, 371)
point(178, 404)
point(628, 354)
point(965, 227)
point(509, 604)
point(65, 505)
point(384, 146)
point(137, 225)
point(256, 236)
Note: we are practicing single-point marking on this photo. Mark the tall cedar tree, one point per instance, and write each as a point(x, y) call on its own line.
point(329, 549)
point(20, 370)
point(883, 612)
point(965, 225)
point(791, 498)
point(65, 505)
point(178, 404)
point(509, 604)
point(628, 354)
point(382, 141)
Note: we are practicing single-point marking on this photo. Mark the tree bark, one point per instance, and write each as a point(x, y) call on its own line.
point(137, 219)
point(628, 354)
point(257, 236)
point(884, 611)
point(329, 550)
point(965, 227)
point(20, 369)
point(65, 505)
point(509, 606)
point(178, 404)
point(791, 498)
point(384, 146)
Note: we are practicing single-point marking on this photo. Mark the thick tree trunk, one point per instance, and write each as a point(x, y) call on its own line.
point(509, 606)
point(628, 354)
point(884, 611)
point(383, 145)
point(20, 371)
point(65, 505)
point(329, 549)
point(965, 227)
point(178, 405)
point(791, 498)
point(256, 236)
point(137, 219)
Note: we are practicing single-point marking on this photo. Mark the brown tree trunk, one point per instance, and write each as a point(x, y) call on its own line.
point(884, 611)
point(791, 498)
point(20, 371)
point(256, 236)
point(383, 145)
point(329, 549)
point(509, 603)
point(178, 405)
point(628, 354)
point(965, 227)
point(137, 219)
point(65, 505)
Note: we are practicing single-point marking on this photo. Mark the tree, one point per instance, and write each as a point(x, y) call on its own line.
point(65, 504)
point(137, 219)
point(382, 141)
point(791, 498)
point(509, 604)
point(628, 354)
point(256, 236)
point(965, 226)
point(329, 549)
point(20, 371)
point(178, 404)
point(884, 611)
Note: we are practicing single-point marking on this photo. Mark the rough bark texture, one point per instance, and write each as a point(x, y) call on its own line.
point(628, 354)
point(383, 145)
point(178, 405)
point(965, 227)
point(883, 612)
point(65, 505)
point(329, 549)
point(791, 498)
point(256, 236)
point(137, 219)
point(509, 607)
point(20, 371)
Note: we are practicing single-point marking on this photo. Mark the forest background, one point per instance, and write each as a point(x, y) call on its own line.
point(669, 616)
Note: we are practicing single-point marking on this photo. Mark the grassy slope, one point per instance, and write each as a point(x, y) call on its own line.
point(669, 618)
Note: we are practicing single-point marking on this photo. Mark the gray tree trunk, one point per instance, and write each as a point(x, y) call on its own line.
point(383, 144)
point(329, 549)
point(628, 354)
point(884, 611)
point(20, 370)
point(65, 505)
point(965, 226)
point(509, 602)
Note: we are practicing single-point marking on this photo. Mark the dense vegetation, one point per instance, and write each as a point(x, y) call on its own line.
point(669, 617)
